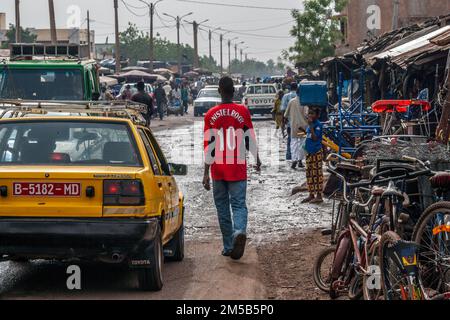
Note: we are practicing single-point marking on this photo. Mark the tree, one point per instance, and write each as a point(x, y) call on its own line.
point(27, 36)
point(135, 45)
point(251, 67)
point(317, 31)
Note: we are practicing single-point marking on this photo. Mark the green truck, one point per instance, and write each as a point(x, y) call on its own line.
point(48, 72)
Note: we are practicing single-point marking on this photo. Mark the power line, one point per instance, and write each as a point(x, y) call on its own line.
point(136, 7)
point(235, 5)
point(128, 7)
point(265, 28)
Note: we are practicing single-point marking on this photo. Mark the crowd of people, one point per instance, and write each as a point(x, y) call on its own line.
point(158, 96)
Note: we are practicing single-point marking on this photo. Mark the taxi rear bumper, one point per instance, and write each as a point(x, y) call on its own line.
point(48, 238)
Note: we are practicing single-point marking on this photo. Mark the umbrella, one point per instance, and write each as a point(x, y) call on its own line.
point(136, 68)
point(191, 74)
point(135, 76)
point(202, 71)
point(163, 71)
point(108, 81)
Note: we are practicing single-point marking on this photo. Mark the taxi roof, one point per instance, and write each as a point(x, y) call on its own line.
point(125, 111)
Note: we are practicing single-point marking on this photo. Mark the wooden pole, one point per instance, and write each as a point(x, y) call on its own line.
point(116, 23)
point(18, 27)
point(89, 34)
point(51, 8)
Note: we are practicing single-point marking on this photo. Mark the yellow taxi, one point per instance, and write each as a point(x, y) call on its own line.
point(87, 181)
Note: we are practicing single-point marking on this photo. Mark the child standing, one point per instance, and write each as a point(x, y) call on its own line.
point(314, 158)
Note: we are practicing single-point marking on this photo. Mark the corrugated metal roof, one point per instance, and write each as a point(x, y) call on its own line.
point(412, 45)
point(419, 50)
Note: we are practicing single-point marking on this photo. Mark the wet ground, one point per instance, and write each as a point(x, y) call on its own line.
point(283, 236)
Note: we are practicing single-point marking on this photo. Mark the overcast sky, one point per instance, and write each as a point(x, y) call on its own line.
point(265, 32)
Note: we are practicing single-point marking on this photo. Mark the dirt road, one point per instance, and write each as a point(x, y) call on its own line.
point(280, 251)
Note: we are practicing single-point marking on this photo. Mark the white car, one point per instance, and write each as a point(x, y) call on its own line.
point(260, 98)
point(148, 89)
point(207, 98)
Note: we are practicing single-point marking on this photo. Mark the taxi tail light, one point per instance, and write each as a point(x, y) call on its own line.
point(123, 193)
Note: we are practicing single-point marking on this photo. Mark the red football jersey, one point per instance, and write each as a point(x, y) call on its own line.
point(227, 128)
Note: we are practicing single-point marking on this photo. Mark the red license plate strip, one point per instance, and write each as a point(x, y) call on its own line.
point(27, 189)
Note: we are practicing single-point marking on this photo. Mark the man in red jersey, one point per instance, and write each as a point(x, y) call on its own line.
point(228, 136)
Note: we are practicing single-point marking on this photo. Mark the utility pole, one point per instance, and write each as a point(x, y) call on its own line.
point(89, 34)
point(210, 40)
point(51, 8)
point(178, 46)
point(229, 56)
point(235, 50)
point(178, 19)
point(395, 16)
point(196, 59)
point(18, 27)
point(221, 54)
point(116, 26)
point(195, 24)
point(151, 12)
point(152, 48)
point(241, 55)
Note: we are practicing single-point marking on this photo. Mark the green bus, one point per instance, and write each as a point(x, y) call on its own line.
point(54, 75)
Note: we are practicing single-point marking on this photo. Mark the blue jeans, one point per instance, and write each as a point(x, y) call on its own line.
point(288, 151)
point(231, 196)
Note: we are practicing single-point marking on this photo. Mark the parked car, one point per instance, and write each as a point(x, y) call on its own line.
point(207, 98)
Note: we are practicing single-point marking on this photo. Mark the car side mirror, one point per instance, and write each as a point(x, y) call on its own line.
point(178, 169)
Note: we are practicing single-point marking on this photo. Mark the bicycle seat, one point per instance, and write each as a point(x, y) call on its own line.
point(348, 168)
point(441, 180)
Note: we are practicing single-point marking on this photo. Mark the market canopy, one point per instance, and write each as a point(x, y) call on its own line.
point(136, 76)
point(108, 81)
point(136, 68)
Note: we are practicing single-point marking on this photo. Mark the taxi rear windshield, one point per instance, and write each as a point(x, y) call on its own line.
point(67, 143)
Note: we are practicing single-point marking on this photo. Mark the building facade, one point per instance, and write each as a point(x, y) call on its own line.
point(2, 28)
point(364, 19)
point(68, 36)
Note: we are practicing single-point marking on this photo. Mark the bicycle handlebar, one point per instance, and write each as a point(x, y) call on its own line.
point(374, 180)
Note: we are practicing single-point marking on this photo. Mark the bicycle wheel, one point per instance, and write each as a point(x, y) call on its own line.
point(432, 233)
point(322, 269)
point(355, 291)
point(340, 264)
point(398, 282)
point(372, 282)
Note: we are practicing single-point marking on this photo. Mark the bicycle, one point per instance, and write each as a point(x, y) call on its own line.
point(432, 234)
point(357, 245)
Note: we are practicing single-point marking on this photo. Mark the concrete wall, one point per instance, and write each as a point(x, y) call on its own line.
point(2, 21)
point(410, 12)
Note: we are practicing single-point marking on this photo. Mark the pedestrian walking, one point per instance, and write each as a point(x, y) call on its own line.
point(297, 117)
point(143, 97)
point(228, 166)
point(185, 97)
point(284, 104)
point(161, 100)
point(127, 93)
point(314, 158)
point(278, 114)
point(242, 91)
